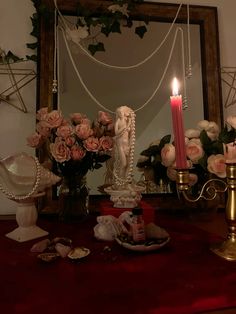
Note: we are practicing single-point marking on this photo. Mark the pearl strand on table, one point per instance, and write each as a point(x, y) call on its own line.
point(14, 197)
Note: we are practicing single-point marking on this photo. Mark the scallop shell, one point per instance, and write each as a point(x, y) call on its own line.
point(48, 257)
point(78, 253)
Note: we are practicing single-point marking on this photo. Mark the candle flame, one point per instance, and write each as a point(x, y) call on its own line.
point(175, 87)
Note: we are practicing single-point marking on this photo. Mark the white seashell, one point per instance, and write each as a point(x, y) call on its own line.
point(40, 246)
point(48, 257)
point(108, 228)
point(18, 174)
point(78, 253)
point(63, 250)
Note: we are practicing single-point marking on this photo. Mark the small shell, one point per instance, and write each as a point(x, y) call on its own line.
point(63, 250)
point(78, 252)
point(62, 240)
point(40, 246)
point(48, 257)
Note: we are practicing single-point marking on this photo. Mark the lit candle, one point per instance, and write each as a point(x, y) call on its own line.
point(178, 127)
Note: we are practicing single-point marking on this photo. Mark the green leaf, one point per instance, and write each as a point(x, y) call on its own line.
point(93, 48)
point(97, 166)
point(115, 27)
point(203, 162)
point(32, 45)
point(106, 30)
point(103, 158)
point(217, 148)
point(151, 151)
point(140, 30)
point(164, 140)
point(32, 57)
point(227, 136)
point(10, 57)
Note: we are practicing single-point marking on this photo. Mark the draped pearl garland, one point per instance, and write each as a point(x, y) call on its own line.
point(14, 197)
point(65, 28)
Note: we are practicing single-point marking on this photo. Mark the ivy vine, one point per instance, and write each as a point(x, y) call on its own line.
point(10, 57)
point(109, 21)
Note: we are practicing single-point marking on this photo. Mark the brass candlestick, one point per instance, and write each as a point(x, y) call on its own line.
point(209, 190)
point(227, 249)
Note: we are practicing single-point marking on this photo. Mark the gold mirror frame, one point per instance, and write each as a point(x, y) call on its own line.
point(205, 16)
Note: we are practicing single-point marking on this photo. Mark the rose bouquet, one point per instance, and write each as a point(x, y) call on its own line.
point(207, 149)
point(75, 145)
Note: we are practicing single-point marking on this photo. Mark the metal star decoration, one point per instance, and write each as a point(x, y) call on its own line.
point(228, 77)
point(18, 78)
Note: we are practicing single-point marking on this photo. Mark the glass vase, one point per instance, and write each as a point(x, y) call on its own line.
point(73, 199)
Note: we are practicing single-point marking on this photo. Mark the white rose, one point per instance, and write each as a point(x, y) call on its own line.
point(192, 133)
point(203, 124)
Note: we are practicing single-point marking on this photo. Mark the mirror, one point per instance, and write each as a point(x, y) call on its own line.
point(204, 26)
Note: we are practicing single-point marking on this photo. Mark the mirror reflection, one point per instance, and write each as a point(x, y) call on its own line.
point(113, 87)
point(134, 88)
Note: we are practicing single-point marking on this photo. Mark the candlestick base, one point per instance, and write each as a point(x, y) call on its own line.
point(227, 249)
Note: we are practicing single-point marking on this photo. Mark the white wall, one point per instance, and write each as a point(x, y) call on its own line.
point(15, 126)
point(15, 27)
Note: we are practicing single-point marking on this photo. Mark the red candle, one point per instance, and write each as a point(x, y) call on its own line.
point(178, 127)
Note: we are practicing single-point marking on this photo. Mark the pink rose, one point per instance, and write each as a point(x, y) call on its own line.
point(86, 121)
point(64, 131)
point(43, 129)
point(83, 131)
point(216, 164)
point(192, 133)
point(60, 151)
point(104, 118)
point(77, 117)
point(230, 152)
point(77, 152)
point(98, 130)
point(70, 141)
point(168, 155)
point(54, 119)
point(194, 150)
point(105, 143)
point(92, 144)
point(35, 140)
point(213, 130)
point(42, 113)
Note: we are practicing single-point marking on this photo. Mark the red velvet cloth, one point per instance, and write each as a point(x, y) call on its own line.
point(183, 277)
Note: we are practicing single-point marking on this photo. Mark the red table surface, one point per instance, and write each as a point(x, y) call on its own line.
point(182, 277)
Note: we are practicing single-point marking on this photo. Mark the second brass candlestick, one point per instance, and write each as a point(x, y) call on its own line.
point(227, 249)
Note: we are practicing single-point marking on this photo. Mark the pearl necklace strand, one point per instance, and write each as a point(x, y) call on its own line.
point(14, 197)
point(128, 179)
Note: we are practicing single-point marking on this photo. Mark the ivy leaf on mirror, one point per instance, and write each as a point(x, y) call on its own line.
point(32, 45)
point(140, 30)
point(93, 48)
point(32, 58)
point(10, 57)
point(227, 136)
